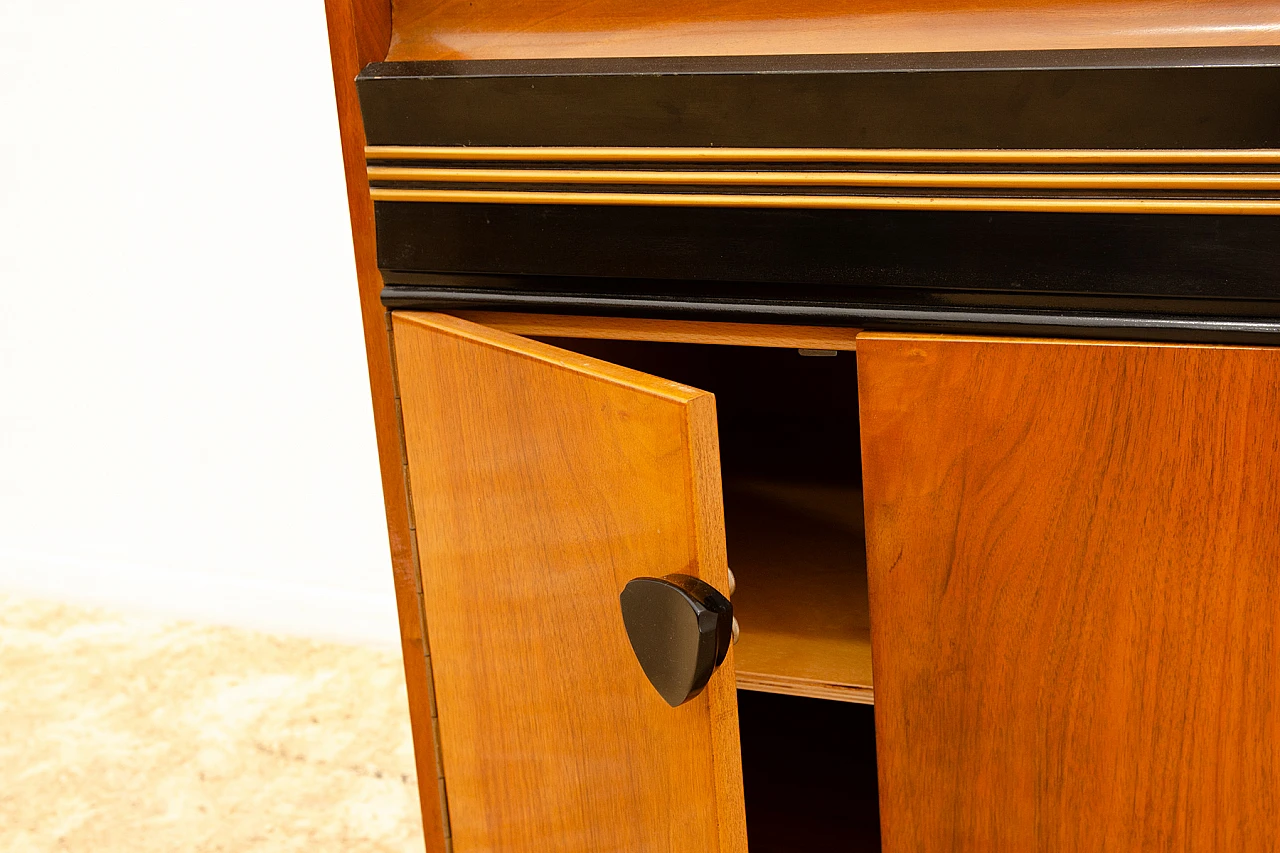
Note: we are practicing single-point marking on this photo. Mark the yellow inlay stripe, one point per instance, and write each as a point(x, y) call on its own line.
point(986, 180)
point(1063, 205)
point(834, 155)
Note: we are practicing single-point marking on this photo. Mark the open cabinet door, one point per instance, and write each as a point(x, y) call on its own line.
point(542, 481)
point(1074, 567)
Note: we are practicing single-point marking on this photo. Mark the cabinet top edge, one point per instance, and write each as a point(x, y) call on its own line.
point(1099, 59)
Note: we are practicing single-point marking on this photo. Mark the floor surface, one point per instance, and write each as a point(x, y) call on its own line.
point(133, 734)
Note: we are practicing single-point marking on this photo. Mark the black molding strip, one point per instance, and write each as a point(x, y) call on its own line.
point(1151, 98)
point(851, 63)
point(1177, 328)
point(1231, 257)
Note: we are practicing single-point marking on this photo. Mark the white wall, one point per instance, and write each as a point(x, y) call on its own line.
point(184, 414)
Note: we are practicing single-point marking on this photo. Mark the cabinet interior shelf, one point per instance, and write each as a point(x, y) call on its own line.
point(798, 552)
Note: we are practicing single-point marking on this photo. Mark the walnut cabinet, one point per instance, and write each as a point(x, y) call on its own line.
point(1065, 586)
point(820, 426)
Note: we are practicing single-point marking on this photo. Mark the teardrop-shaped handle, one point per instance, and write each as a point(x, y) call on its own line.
point(680, 629)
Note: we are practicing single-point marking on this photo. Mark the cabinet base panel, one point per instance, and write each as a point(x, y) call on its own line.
point(784, 686)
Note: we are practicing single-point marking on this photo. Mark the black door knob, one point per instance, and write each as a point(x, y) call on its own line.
point(680, 629)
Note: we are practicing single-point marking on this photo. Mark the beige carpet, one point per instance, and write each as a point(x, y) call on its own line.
point(126, 733)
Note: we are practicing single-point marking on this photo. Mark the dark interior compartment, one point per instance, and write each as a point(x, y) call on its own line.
point(809, 767)
point(783, 415)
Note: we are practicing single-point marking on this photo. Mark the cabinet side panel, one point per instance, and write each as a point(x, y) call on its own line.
point(1074, 565)
point(359, 32)
point(543, 481)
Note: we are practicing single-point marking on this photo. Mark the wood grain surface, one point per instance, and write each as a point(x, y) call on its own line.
point(543, 481)
point(493, 29)
point(1074, 566)
point(359, 32)
point(798, 553)
point(668, 331)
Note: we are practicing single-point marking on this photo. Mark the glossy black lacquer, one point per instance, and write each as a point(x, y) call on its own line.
point(920, 311)
point(1153, 98)
point(1200, 256)
point(680, 629)
point(1195, 277)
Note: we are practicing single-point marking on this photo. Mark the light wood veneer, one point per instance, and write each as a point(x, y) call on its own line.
point(496, 29)
point(799, 556)
point(543, 481)
point(667, 331)
point(359, 33)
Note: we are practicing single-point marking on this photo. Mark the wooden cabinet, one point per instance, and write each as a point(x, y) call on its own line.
point(544, 478)
point(1007, 566)
point(1071, 553)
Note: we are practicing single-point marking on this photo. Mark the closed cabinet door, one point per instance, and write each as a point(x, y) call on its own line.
point(1074, 570)
point(542, 482)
